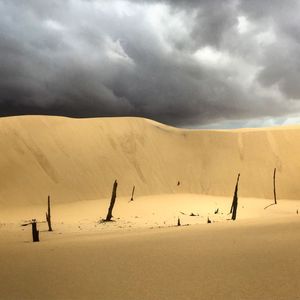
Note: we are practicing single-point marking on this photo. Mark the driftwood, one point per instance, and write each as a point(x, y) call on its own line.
point(112, 201)
point(48, 215)
point(193, 215)
point(234, 205)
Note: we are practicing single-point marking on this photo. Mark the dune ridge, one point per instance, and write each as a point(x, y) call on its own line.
point(78, 159)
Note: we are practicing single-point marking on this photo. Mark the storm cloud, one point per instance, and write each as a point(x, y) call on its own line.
point(185, 63)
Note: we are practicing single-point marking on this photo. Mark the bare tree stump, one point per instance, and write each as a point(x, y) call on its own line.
point(112, 201)
point(48, 215)
point(234, 205)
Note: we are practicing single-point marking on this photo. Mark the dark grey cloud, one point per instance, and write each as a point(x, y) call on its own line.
point(185, 63)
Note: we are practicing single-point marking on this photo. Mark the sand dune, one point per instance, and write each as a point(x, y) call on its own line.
point(143, 254)
point(78, 159)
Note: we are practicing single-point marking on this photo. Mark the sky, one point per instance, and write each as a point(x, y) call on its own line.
point(195, 64)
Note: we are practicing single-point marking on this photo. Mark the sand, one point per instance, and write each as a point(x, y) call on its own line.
point(143, 254)
point(243, 260)
point(78, 159)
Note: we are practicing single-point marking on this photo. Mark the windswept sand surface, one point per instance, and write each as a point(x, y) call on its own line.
point(142, 254)
point(148, 212)
point(241, 260)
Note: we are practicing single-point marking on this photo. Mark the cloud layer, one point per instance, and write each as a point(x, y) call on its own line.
point(186, 63)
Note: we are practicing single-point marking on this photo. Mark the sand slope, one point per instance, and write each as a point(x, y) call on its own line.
point(78, 159)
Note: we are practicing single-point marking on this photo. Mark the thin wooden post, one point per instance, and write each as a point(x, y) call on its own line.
point(48, 215)
point(234, 205)
point(35, 232)
point(112, 201)
point(132, 193)
point(178, 222)
point(274, 186)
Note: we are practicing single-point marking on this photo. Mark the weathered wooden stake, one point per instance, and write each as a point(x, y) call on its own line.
point(112, 201)
point(274, 186)
point(178, 222)
point(234, 205)
point(48, 215)
point(35, 232)
point(132, 193)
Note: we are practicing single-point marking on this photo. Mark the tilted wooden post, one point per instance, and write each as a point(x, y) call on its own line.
point(112, 201)
point(234, 205)
point(132, 193)
point(274, 186)
point(48, 215)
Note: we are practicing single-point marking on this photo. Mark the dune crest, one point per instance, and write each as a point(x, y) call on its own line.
point(78, 159)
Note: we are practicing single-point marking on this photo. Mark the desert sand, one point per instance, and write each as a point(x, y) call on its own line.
point(142, 254)
point(78, 159)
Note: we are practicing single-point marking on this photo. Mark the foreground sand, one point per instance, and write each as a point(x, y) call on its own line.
point(143, 256)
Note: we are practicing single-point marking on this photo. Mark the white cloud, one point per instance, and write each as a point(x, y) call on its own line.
point(266, 37)
point(212, 57)
point(120, 7)
point(54, 25)
point(243, 25)
point(115, 51)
